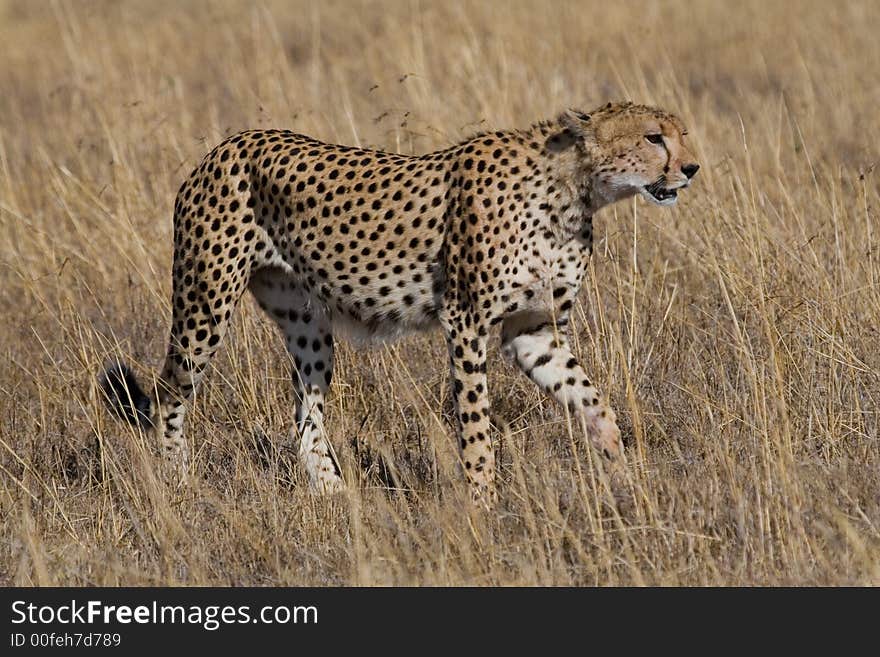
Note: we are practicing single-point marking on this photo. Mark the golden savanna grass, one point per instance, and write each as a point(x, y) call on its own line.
point(737, 333)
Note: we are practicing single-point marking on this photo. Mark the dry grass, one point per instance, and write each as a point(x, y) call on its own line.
point(736, 333)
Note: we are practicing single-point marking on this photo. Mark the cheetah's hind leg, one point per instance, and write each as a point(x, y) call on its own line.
point(203, 302)
point(309, 339)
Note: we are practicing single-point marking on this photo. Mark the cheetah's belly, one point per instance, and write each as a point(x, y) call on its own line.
point(380, 305)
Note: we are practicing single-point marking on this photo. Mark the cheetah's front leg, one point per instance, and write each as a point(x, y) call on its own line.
point(545, 356)
point(467, 352)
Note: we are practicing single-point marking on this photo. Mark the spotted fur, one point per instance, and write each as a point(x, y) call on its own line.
point(334, 239)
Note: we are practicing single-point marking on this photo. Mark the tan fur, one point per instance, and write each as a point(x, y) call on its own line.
point(495, 230)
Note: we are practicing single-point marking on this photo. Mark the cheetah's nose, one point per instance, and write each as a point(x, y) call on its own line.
point(690, 170)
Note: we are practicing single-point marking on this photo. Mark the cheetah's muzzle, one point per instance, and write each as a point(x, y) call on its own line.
point(661, 194)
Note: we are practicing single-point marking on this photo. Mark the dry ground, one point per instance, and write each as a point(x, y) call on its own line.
point(737, 333)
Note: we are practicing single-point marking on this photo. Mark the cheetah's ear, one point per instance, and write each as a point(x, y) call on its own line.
point(576, 128)
point(577, 115)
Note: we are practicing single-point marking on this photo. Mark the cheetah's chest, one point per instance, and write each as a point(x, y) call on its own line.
point(548, 274)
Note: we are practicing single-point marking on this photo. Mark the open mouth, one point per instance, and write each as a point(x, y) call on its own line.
point(659, 194)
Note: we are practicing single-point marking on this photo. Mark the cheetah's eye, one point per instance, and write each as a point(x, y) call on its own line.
point(654, 139)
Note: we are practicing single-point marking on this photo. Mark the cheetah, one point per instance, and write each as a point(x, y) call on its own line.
point(336, 240)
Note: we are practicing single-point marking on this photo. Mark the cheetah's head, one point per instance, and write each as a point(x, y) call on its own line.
point(627, 149)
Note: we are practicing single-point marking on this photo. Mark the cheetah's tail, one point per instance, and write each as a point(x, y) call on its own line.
point(125, 397)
